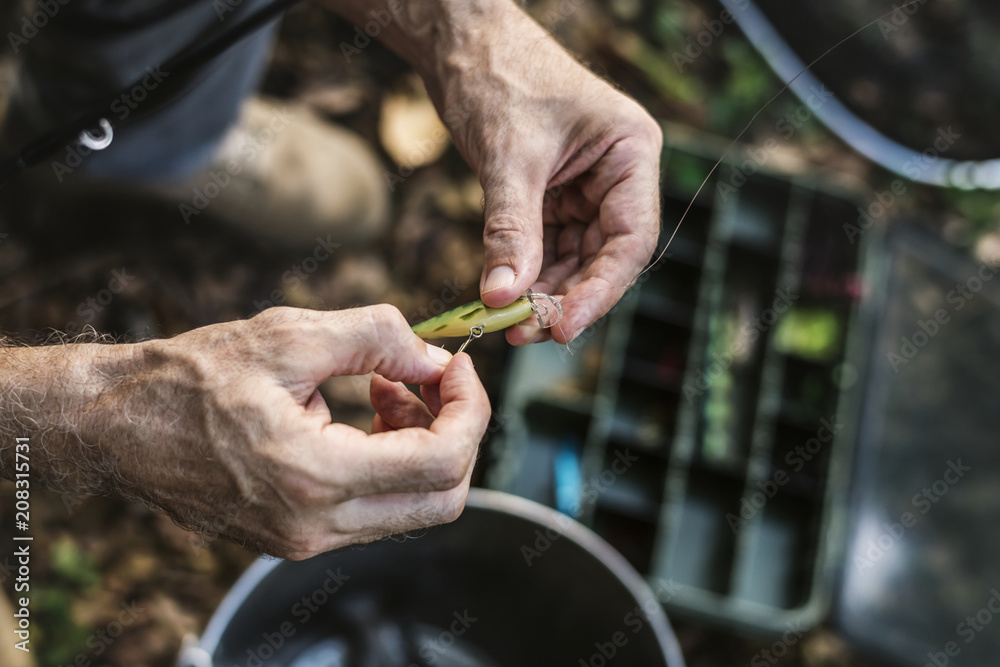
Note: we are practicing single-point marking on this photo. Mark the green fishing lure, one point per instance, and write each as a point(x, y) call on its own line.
point(476, 318)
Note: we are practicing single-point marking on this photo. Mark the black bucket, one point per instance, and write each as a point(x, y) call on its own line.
point(511, 583)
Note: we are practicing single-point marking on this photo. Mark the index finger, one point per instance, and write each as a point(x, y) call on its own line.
point(629, 221)
point(316, 345)
point(412, 459)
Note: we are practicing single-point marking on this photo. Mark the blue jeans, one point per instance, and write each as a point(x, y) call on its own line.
point(89, 50)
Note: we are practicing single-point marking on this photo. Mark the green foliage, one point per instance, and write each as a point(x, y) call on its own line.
point(59, 638)
point(685, 173)
point(74, 566)
point(72, 572)
point(666, 28)
point(661, 72)
point(748, 86)
point(979, 208)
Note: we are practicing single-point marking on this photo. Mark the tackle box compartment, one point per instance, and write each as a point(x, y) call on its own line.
point(695, 427)
point(738, 428)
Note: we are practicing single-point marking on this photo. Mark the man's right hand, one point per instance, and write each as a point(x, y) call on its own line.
point(224, 429)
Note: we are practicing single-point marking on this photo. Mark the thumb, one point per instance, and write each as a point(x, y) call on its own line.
point(377, 338)
point(465, 408)
point(512, 237)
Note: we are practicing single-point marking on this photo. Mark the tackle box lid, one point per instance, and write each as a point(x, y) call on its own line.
point(920, 576)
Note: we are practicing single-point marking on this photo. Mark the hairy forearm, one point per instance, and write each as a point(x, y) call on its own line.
point(224, 428)
point(440, 38)
point(485, 64)
point(49, 395)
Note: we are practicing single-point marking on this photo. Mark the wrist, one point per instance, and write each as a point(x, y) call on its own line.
point(53, 396)
point(440, 38)
point(458, 38)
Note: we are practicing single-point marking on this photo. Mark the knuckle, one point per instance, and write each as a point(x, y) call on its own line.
point(503, 226)
point(453, 504)
point(393, 333)
point(275, 315)
point(387, 314)
point(452, 475)
point(451, 472)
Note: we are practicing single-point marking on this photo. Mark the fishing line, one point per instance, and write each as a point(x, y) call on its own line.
point(750, 123)
point(757, 33)
point(984, 174)
point(931, 169)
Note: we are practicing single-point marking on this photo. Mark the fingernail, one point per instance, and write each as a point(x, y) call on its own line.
point(575, 334)
point(499, 277)
point(439, 355)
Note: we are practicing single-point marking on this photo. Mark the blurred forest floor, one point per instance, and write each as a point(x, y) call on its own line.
point(94, 554)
